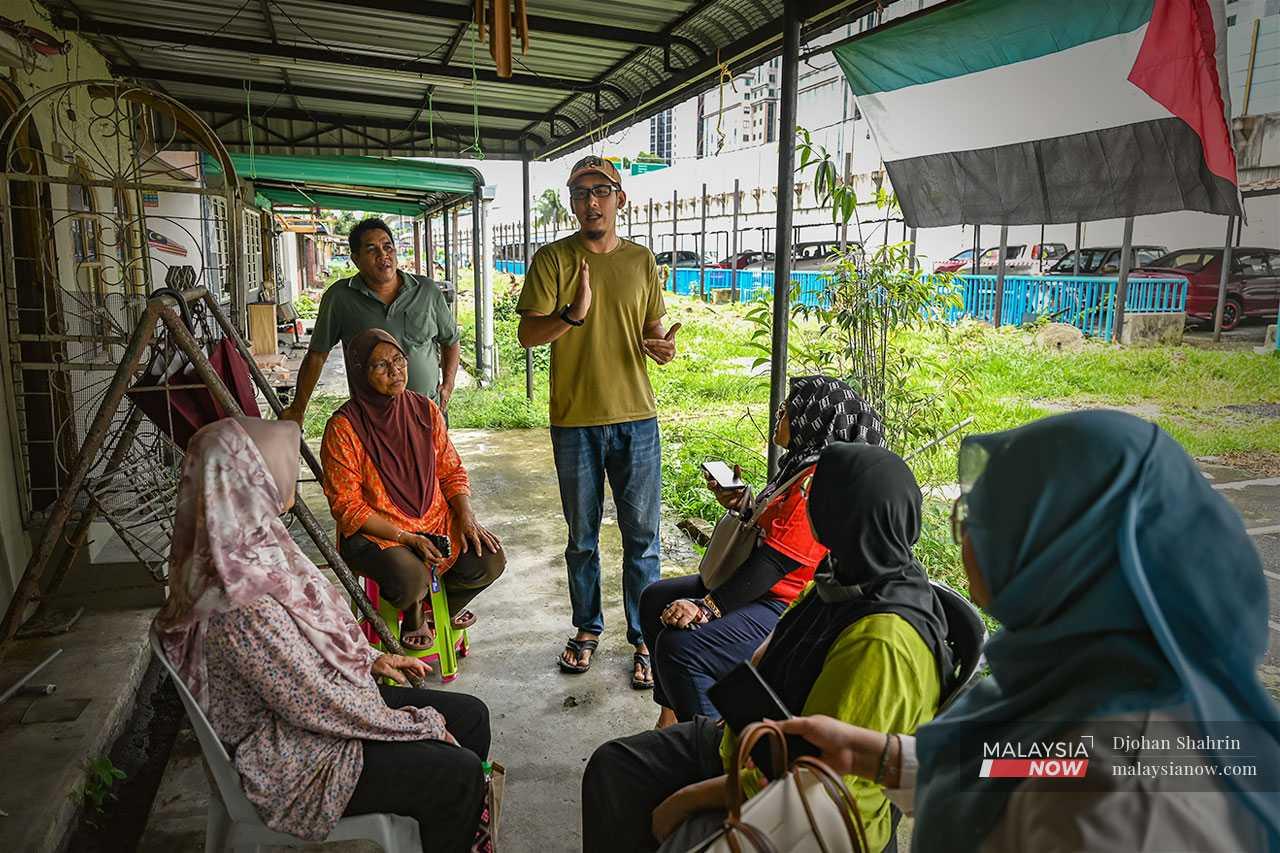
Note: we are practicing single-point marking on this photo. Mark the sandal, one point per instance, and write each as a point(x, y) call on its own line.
point(578, 647)
point(461, 621)
point(425, 633)
point(642, 661)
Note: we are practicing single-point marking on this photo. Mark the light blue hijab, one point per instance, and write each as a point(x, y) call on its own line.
point(1124, 583)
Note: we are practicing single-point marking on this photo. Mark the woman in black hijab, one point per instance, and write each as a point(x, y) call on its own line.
point(733, 620)
point(866, 640)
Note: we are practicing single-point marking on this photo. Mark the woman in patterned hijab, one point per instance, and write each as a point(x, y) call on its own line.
point(736, 616)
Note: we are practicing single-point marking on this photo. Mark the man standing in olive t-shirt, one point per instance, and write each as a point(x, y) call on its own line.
point(597, 300)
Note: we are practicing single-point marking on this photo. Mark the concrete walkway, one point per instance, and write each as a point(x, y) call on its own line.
point(545, 724)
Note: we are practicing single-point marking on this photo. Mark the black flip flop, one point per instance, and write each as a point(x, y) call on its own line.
point(639, 659)
point(578, 647)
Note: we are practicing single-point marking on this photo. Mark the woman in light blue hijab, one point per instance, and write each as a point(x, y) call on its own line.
point(1133, 605)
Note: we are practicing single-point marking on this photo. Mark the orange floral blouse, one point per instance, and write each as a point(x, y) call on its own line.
point(355, 490)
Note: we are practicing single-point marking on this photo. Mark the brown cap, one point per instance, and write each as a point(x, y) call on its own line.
point(599, 165)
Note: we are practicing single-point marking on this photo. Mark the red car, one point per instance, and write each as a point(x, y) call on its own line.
point(745, 257)
point(1253, 288)
point(961, 263)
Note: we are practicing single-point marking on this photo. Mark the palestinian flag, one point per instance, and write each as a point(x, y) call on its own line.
point(1012, 112)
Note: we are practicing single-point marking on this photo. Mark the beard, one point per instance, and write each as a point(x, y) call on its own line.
point(594, 231)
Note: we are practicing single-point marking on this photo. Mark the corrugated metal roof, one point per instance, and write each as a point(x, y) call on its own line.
point(331, 77)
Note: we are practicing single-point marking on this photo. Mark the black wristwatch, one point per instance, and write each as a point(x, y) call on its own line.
point(564, 315)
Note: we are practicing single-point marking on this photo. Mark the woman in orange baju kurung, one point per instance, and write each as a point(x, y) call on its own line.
point(394, 482)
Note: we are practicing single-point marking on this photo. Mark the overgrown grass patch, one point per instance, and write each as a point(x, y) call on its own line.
point(713, 404)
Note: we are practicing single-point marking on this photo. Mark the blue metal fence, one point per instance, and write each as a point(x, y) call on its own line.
point(1086, 302)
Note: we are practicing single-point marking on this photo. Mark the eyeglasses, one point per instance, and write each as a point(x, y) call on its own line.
point(959, 514)
point(599, 191)
point(399, 363)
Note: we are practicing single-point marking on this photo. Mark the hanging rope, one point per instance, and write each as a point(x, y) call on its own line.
point(431, 121)
point(248, 119)
point(474, 148)
point(725, 77)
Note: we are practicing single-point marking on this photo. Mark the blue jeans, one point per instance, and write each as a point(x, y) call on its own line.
point(687, 662)
point(630, 455)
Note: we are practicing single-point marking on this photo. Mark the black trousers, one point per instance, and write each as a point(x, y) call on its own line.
point(403, 578)
point(440, 785)
point(626, 779)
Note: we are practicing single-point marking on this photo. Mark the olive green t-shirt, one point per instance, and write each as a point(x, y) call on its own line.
point(598, 370)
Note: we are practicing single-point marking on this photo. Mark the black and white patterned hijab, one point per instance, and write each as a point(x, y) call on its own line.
point(824, 410)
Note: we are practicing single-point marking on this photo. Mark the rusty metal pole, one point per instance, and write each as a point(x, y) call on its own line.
point(28, 588)
point(78, 537)
point(188, 344)
point(786, 204)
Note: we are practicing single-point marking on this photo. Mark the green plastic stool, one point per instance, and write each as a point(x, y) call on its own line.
point(451, 644)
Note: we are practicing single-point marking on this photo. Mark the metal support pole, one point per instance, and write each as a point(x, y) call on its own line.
point(977, 247)
point(528, 259)
point(1078, 238)
point(675, 235)
point(997, 313)
point(848, 179)
point(651, 246)
point(702, 247)
point(912, 250)
point(1222, 281)
point(417, 248)
point(1122, 285)
point(786, 202)
point(448, 254)
point(1253, 58)
point(737, 242)
point(477, 285)
point(430, 249)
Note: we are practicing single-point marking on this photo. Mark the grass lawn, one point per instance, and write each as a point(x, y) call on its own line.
point(713, 405)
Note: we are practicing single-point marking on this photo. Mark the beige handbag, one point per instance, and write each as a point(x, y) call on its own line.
point(808, 809)
point(734, 538)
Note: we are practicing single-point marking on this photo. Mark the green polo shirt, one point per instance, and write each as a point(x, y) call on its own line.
point(419, 317)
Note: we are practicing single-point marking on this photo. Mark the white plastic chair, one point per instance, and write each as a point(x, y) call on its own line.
point(233, 822)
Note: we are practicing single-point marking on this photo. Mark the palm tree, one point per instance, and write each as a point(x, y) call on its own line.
point(548, 208)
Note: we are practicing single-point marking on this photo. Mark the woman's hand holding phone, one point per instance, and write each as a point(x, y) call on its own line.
point(730, 498)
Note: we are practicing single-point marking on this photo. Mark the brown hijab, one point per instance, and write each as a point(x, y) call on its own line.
point(395, 431)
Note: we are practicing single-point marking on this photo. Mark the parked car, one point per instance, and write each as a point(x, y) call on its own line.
point(808, 256)
point(682, 259)
point(956, 263)
point(1020, 259)
point(1104, 260)
point(745, 257)
point(1253, 287)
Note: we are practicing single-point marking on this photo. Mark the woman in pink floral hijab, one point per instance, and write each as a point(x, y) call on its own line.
point(270, 650)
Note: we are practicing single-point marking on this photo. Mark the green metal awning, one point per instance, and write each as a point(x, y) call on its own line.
point(287, 197)
point(375, 184)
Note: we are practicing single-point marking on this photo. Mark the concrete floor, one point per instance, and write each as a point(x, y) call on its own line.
point(545, 724)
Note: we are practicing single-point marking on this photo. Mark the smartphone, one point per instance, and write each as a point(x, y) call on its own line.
point(723, 475)
point(743, 697)
point(439, 540)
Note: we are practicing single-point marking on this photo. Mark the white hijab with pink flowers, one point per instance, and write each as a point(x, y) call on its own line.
point(230, 547)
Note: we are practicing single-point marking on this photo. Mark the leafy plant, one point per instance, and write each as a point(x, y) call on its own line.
point(306, 307)
point(857, 332)
point(549, 209)
point(100, 777)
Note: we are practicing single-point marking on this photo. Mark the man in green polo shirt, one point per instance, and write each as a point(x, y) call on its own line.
point(597, 299)
point(381, 296)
